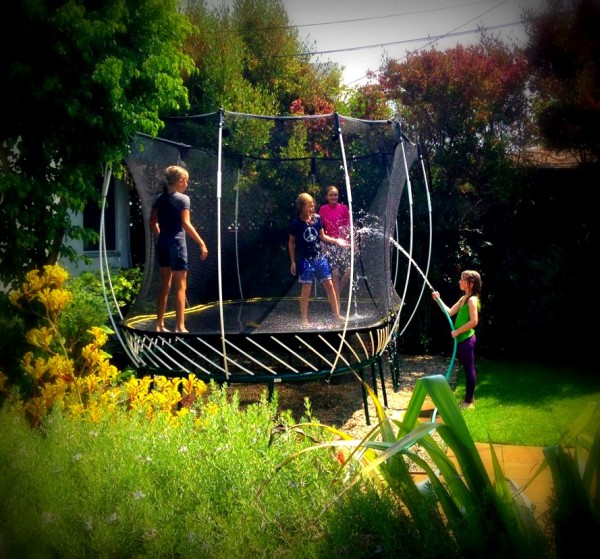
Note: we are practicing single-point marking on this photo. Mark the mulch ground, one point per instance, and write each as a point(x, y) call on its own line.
point(339, 401)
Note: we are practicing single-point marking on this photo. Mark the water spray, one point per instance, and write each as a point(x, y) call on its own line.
point(438, 301)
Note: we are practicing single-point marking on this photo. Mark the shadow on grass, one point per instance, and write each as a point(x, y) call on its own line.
point(527, 403)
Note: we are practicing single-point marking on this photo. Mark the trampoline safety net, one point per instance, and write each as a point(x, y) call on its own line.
point(242, 307)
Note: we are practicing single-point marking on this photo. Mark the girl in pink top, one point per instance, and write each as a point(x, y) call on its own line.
point(336, 223)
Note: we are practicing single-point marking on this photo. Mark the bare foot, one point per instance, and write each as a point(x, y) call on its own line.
point(161, 329)
point(181, 331)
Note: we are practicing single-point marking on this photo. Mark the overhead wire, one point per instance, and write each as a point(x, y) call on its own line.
point(353, 20)
point(415, 40)
point(430, 39)
point(455, 32)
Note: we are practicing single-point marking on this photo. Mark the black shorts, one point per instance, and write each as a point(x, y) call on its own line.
point(172, 253)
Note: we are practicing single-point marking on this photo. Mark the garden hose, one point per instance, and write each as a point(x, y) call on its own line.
point(451, 365)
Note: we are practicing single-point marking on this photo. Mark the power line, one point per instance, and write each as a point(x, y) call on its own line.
point(353, 20)
point(454, 32)
point(416, 40)
point(416, 12)
point(430, 39)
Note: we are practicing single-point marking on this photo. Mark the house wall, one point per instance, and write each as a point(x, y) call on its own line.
point(120, 257)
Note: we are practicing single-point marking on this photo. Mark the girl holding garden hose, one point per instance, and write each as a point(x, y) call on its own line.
point(466, 310)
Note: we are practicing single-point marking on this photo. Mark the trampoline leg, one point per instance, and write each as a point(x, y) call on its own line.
point(374, 378)
point(271, 389)
point(365, 396)
point(382, 378)
point(395, 371)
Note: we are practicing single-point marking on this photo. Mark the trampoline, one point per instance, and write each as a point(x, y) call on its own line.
point(242, 308)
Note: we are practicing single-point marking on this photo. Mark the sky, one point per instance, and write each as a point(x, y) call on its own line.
point(357, 34)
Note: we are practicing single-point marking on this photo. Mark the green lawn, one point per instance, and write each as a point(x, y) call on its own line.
point(526, 403)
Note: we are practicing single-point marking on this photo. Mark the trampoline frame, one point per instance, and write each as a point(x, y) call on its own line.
point(169, 353)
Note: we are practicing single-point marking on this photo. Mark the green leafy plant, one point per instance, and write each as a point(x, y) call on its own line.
point(478, 516)
point(124, 486)
point(12, 339)
point(126, 286)
point(573, 517)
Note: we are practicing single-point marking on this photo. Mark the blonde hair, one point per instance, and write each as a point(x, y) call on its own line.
point(303, 199)
point(174, 173)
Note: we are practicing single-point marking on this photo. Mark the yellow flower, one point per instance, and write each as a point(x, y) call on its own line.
point(36, 408)
point(62, 367)
point(76, 409)
point(14, 297)
point(91, 383)
point(135, 387)
point(90, 353)
point(63, 387)
point(107, 373)
point(95, 412)
point(100, 336)
point(40, 337)
point(34, 281)
point(55, 275)
point(35, 370)
point(109, 400)
point(48, 392)
point(193, 385)
point(211, 408)
point(55, 300)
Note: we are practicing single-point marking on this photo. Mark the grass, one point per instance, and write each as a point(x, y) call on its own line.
point(125, 486)
point(526, 403)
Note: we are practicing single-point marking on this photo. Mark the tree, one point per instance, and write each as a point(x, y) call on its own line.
point(564, 51)
point(469, 109)
point(104, 71)
point(462, 102)
point(369, 102)
point(250, 60)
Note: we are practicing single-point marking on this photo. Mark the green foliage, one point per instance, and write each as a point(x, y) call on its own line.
point(153, 489)
point(368, 102)
point(469, 109)
point(103, 72)
point(12, 339)
point(574, 512)
point(126, 284)
point(88, 307)
point(478, 517)
point(249, 59)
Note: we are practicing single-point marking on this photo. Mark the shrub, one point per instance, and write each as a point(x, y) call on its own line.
point(12, 339)
point(131, 486)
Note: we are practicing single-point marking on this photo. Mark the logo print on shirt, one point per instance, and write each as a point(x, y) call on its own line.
point(310, 235)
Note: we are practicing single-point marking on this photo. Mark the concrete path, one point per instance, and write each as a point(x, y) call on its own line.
point(519, 463)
